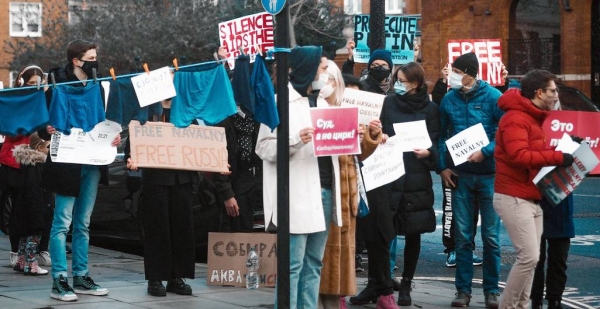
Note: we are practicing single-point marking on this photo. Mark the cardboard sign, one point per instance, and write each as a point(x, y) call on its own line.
point(385, 165)
point(336, 131)
point(162, 145)
point(249, 33)
point(369, 104)
point(93, 147)
point(463, 144)
point(412, 135)
point(575, 124)
point(154, 87)
point(489, 54)
point(400, 35)
point(227, 258)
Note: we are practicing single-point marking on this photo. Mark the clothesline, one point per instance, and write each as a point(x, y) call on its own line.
point(269, 56)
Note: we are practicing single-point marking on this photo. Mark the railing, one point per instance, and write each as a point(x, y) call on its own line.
point(525, 55)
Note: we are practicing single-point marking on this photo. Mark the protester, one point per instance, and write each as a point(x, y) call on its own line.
point(471, 101)
point(315, 182)
point(338, 278)
point(521, 151)
point(166, 202)
point(75, 186)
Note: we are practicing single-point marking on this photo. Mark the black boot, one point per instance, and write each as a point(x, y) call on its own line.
point(156, 288)
point(404, 293)
point(178, 286)
point(536, 305)
point(554, 304)
point(368, 295)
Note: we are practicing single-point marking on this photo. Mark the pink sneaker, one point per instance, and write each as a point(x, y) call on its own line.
point(387, 302)
point(343, 302)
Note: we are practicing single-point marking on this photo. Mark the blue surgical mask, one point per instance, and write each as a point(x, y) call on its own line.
point(400, 88)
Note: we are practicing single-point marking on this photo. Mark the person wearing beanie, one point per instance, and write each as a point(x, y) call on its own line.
point(315, 184)
point(469, 102)
point(379, 72)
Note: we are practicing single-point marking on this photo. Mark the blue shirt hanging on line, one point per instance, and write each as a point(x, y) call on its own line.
point(76, 107)
point(265, 109)
point(22, 111)
point(123, 104)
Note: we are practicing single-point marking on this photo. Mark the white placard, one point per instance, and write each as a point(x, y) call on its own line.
point(463, 144)
point(369, 104)
point(385, 165)
point(93, 147)
point(1, 138)
point(154, 86)
point(565, 144)
point(412, 135)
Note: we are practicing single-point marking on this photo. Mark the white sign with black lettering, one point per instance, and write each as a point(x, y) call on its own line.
point(463, 144)
point(369, 104)
point(385, 165)
point(154, 86)
point(412, 135)
point(93, 147)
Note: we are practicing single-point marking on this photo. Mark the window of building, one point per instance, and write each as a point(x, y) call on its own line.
point(394, 6)
point(353, 7)
point(534, 36)
point(25, 19)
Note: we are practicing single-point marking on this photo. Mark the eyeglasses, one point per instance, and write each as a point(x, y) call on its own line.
point(554, 90)
point(380, 67)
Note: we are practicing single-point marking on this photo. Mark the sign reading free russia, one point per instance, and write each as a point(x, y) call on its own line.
point(488, 52)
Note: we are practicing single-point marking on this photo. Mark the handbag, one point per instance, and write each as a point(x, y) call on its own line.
point(363, 204)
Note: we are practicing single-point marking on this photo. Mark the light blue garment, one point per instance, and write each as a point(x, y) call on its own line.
point(473, 188)
point(204, 94)
point(393, 254)
point(306, 261)
point(265, 109)
point(76, 107)
point(78, 210)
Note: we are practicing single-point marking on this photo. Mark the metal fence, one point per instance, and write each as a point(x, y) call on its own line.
point(528, 54)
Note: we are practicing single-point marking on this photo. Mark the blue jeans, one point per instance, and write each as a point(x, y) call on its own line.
point(78, 210)
point(393, 254)
point(478, 188)
point(306, 261)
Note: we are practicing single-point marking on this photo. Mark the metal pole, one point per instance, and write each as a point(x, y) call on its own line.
point(282, 39)
point(377, 25)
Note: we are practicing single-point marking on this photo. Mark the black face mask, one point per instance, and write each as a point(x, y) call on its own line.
point(88, 67)
point(379, 73)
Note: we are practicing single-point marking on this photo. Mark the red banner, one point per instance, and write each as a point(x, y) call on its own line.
point(336, 131)
point(489, 54)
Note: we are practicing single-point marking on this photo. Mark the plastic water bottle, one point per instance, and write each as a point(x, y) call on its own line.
point(252, 268)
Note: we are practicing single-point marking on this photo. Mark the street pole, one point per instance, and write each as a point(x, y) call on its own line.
point(377, 25)
point(282, 40)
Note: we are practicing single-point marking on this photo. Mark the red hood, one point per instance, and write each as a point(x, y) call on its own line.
point(512, 99)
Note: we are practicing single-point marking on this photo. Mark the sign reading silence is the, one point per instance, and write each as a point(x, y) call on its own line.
point(249, 33)
point(400, 34)
point(336, 131)
point(488, 52)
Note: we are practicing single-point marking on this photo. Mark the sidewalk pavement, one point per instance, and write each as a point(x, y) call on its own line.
point(123, 275)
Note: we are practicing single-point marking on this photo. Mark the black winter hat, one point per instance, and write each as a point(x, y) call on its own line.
point(381, 54)
point(304, 63)
point(467, 63)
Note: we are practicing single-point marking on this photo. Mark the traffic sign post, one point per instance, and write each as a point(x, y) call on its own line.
point(273, 6)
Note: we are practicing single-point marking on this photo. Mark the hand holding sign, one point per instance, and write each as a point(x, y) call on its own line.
point(462, 145)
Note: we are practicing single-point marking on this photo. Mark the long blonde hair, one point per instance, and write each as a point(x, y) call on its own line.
point(334, 72)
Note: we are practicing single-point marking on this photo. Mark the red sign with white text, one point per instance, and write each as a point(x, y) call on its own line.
point(581, 124)
point(488, 52)
point(336, 131)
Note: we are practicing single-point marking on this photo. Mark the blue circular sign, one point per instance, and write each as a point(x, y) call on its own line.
point(273, 6)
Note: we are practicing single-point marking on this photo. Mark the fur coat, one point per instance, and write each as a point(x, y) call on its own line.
point(338, 275)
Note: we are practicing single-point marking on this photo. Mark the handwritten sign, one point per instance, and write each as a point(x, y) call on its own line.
point(576, 124)
point(336, 131)
point(162, 145)
point(227, 258)
point(400, 35)
point(385, 165)
point(93, 147)
point(488, 52)
point(249, 33)
point(369, 104)
point(412, 135)
point(154, 87)
point(463, 144)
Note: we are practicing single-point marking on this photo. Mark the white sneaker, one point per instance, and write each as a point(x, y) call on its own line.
point(13, 259)
point(43, 258)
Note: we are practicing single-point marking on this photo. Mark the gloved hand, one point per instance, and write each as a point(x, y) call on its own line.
point(577, 139)
point(567, 160)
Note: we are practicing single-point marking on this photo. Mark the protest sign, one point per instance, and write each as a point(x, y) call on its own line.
point(93, 147)
point(488, 52)
point(227, 258)
point(1, 138)
point(463, 144)
point(400, 35)
point(384, 165)
point(154, 86)
point(336, 131)
point(561, 181)
point(249, 33)
point(412, 135)
point(162, 145)
point(369, 104)
point(576, 124)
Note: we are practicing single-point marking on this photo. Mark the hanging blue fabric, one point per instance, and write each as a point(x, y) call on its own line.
point(76, 107)
point(23, 112)
point(265, 109)
point(242, 91)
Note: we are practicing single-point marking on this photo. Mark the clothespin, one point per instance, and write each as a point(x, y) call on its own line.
point(260, 49)
point(112, 73)
point(146, 68)
point(242, 51)
point(270, 54)
point(37, 82)
point(53, 79)
point(94, 75)
point(175, 64)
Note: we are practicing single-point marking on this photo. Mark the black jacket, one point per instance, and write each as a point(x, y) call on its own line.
point(65, 178)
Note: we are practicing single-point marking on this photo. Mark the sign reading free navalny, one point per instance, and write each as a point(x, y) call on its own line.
point(162, 145)
point(400, 35)
point(489, 55)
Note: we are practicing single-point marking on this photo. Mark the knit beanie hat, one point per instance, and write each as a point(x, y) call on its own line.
point(381, 54)
point(304, 63)
point(467, 63)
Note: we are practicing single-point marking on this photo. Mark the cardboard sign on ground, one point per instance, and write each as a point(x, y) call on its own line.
point(227, 258)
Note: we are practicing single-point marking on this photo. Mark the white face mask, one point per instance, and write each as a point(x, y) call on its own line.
point(455, 80)
point(327, 91)
point(320, 83)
